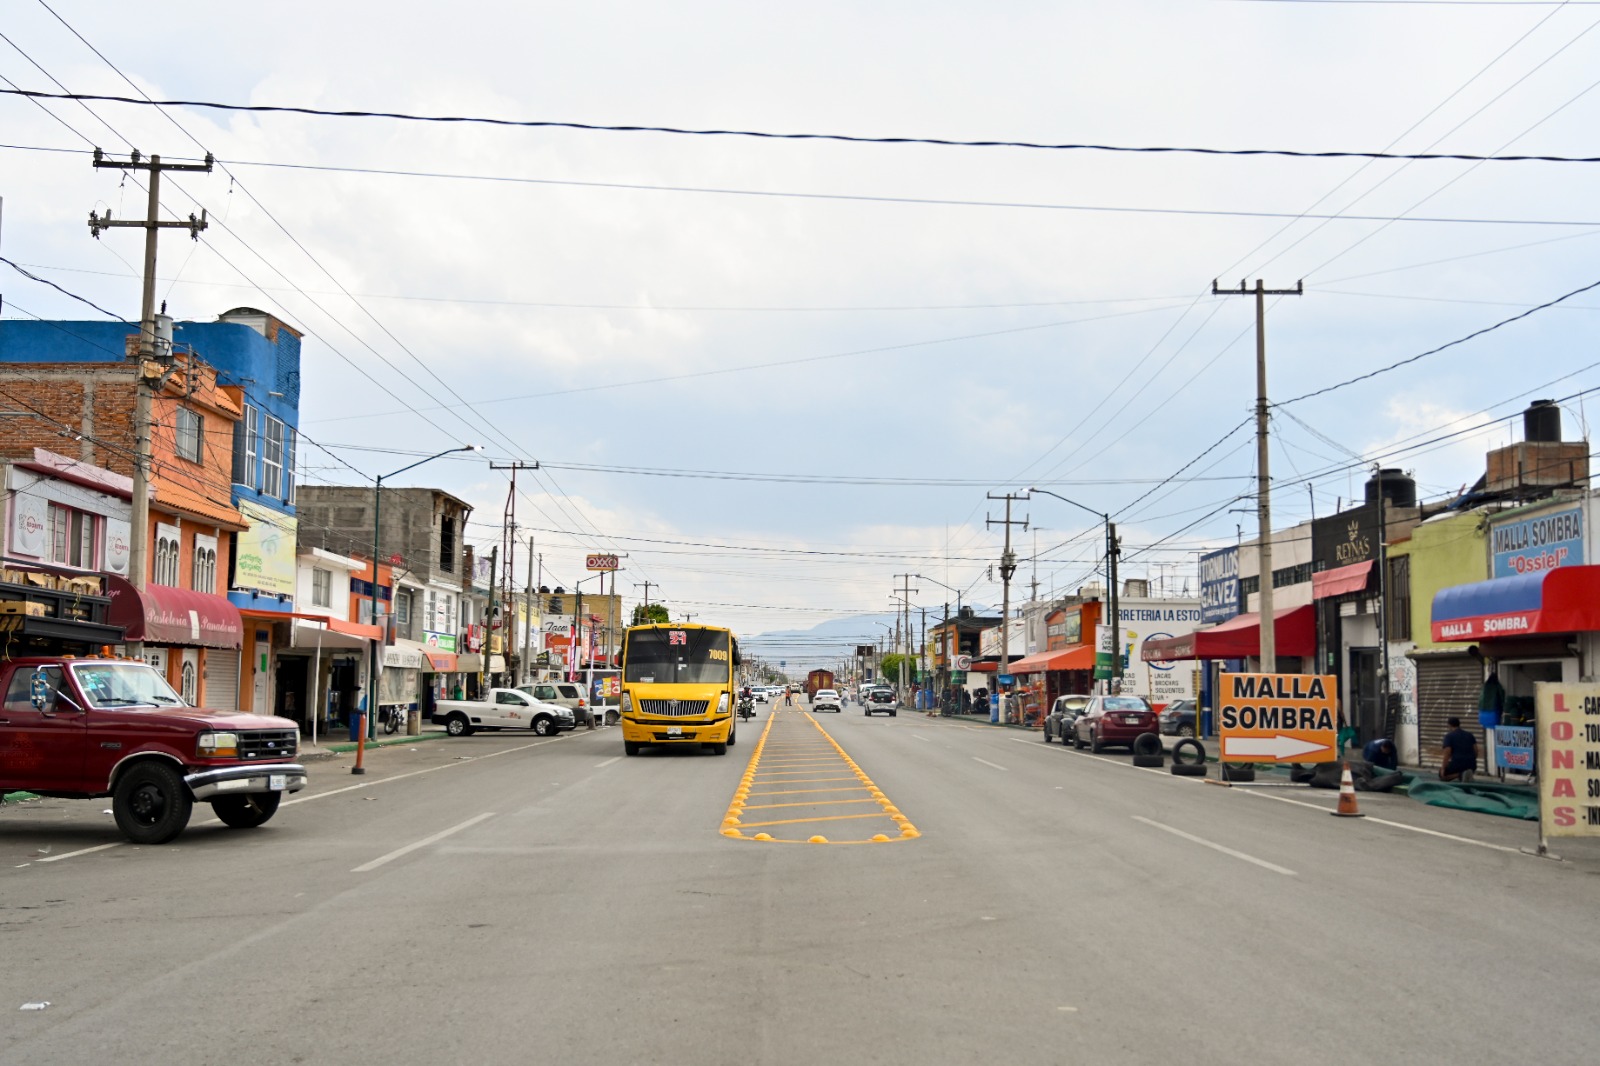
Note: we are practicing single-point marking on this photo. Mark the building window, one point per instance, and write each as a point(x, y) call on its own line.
point(191, 434)
point(402, 608)
point(203, 572)
point(189, 692)
point(245, 445)
point(72, 537)
point(166, 557)
point(1398, 625)
point(321, 587)
point(430, 620)
point(1249, 586)
point(288, 464)
point(271, 456)
point(447, 544)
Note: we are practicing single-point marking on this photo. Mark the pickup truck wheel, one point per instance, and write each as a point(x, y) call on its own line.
point(458, 726)
point(151, 803)
point(246, 812)
point(544, 726)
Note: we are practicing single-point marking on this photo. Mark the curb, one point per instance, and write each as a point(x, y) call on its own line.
point(346, 748)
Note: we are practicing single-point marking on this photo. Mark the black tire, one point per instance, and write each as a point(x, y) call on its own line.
point(1094, 743)
point(1148, 761)
point(732, 737)
point(1241, 772)
point(1188, 769)
point(544, 726)
point(718, 749)
point(894, 714)
point(458, 726)
point(1188, 744)
point(1047, 734)
point(391, 724)
point(868, 713)
point(1147, 744)
point(631, 747)
point(1186, 730)
point(246, 812)
point(1077, 741)
point(151, 803)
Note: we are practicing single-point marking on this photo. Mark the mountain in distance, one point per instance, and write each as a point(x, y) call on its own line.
point(828, 643)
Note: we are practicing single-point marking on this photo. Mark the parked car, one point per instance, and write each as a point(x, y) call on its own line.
point(563, 694)
point(1063, 713)
point(1177, 719)
point(827, 699)
point(880, 699)
point(1113, 720)
point(503, 708)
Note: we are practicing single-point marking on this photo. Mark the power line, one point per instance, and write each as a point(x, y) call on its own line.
point(940, 142)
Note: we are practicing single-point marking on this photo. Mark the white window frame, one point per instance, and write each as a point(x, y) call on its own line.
point(167, 553)
point(252, 447)
point(64, 539)
point(321, 587)
point(203, 567)
point(402, 607)
point(191, 435)
point(271, 457)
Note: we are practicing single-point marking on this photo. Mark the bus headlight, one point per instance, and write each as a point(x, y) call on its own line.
point(626, 704)
point(722, 704)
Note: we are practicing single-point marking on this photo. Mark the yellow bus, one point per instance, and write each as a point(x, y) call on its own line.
point(678, 686)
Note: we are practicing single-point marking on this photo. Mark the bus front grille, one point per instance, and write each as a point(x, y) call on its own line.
point(675, 708)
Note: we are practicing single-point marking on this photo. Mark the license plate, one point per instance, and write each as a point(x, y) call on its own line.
point(674, 730)
point(277, 782)
point(1131, 719)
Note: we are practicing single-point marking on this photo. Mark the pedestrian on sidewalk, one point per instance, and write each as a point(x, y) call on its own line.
point(1460, 754)
point(1381, 753)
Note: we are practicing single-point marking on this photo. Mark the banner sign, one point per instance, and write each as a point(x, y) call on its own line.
point(264, 555)
point(1278, 717)
point(1568, 718)
point(1513, 748)
point(1543, 542)
point(1105, 646)
point(1219, 586)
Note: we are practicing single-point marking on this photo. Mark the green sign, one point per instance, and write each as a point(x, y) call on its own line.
point(1104, 648)
point(958, 677)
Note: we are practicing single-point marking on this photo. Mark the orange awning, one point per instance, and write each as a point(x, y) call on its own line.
point(1072, 657)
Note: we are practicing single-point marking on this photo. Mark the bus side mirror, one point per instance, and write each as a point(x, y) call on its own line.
point(738, 660)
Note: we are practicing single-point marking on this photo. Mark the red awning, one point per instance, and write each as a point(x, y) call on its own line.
point(354, 629)
point(161, 614)
point(1341, 580)
point(1563, 600)
point(984, 668)
point(1072, 657)
point(443, 662)
point(1239, 638)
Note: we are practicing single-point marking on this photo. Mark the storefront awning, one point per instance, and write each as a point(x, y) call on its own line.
point(161, 614)
point(443, 662)
point(1563, 600)
point(1072, 657)
point(1239, 638)
point(470, 663)
point(1341, 580)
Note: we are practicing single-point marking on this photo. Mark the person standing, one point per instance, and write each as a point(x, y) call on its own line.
point(1460, 753)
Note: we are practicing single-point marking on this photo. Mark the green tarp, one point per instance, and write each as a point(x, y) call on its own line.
point(1508, 801)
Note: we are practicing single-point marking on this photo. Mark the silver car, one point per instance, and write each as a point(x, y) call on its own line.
point(1058, 724)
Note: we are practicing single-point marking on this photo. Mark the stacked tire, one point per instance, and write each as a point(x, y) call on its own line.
point(1147, 751)
point(1182, 751)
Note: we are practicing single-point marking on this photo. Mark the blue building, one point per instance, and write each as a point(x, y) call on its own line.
point(256, 353)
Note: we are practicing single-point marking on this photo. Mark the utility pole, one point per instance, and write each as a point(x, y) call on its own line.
point(508, 541)
point(527, 630)
point(488, 631)
point(905, 591)
point(1008, 567)
point(646, 585)
point(1269, 637)
point(155, 346)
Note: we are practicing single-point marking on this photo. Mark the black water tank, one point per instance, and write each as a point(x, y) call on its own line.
point(1400, 490)
point(1542, 421)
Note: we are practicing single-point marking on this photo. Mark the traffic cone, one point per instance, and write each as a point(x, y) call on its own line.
point(1347, 796)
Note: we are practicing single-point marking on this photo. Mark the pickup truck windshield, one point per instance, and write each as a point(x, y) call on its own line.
point(124, 685)
point(677, 657)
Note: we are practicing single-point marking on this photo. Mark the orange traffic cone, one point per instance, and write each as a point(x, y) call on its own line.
point(1347, 796)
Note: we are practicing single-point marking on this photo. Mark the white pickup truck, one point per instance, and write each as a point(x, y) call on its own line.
point(503, 708)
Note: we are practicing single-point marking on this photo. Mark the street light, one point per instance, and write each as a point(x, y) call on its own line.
point(372, 658)
point(1114, 618)
point(577, 620)
point(949, 655)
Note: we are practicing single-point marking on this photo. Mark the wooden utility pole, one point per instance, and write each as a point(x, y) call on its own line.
point(905, 591)
point(1269, 637)
point(1008, 567)
point(646, 585)
point(155, 345)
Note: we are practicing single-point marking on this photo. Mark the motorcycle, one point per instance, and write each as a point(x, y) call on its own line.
point(747, 707)
point(392, 718)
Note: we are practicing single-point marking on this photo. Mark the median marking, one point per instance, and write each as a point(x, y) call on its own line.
point(986, 762)
point(424, 842)
point(799, 757)
point(1263, 863)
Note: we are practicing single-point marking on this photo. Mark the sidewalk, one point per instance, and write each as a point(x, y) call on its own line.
point(336, 743)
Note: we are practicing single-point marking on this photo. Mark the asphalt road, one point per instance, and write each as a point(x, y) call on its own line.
point(505, 899)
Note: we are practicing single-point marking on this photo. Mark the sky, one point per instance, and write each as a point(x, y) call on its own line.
point(778, 373)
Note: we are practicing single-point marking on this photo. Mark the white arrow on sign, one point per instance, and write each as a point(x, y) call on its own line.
point(1280, 747)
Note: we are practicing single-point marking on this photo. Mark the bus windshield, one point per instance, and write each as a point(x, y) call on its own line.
point(677, 657)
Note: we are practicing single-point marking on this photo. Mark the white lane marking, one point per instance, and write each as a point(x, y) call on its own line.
point(1264, 864)
point(424, 842)
point(414, 773)
point(1399, 825)
point(608, 762)
point(986, 762)
point(922, 738)
point(80, 851)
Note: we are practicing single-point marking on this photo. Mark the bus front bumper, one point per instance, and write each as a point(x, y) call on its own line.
point(669, 731)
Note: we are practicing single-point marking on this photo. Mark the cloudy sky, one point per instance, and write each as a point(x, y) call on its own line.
point(777, 373)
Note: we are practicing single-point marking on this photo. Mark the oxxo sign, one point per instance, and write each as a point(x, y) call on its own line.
point(602, 562)
point(1278, 718)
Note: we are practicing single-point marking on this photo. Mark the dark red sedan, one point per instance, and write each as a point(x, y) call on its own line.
point(1114, 721)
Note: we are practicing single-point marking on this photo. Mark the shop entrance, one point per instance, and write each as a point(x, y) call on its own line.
point(290, 687)
point(1363, 709)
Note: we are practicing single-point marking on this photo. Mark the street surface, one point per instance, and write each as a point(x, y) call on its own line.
point(508, 899)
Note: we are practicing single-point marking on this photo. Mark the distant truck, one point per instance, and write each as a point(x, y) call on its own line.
point(78, 728)
point(818, 679)
point(503, 708)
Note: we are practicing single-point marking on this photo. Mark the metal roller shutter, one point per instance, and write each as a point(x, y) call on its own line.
point(222, 679)
point(1447, 685)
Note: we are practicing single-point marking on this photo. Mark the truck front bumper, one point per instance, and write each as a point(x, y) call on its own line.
point(266, 777)
point(669, 731)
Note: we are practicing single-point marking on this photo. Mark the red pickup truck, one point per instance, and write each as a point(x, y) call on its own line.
point(81, 728)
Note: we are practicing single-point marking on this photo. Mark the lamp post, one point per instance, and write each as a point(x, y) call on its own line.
point(372, 658)
point(878, 666)
point(949, 652)
point(1111, 579)
point(577, 640)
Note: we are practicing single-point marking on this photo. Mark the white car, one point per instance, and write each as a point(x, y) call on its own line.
point(827, 699)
